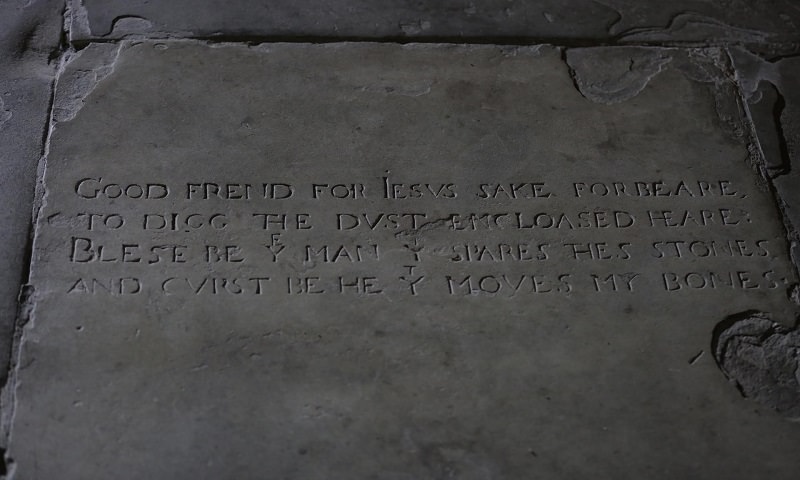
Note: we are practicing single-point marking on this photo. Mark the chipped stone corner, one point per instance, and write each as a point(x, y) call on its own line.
point(80, 74)
point(713, 67)
point(611, 75)
point(762, 359)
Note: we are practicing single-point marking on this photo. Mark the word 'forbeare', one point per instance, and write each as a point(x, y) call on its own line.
point(96, 188)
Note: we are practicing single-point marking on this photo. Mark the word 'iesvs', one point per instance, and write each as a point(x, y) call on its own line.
point(96, 188)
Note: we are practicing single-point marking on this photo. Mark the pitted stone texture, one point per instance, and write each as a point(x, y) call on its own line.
point(614, 75)
point(29, 36)
point(192, 377)
point(762, 359)
point(704, 21)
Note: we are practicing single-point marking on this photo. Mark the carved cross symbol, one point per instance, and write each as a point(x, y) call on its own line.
point(412, 281)
point(414, 247)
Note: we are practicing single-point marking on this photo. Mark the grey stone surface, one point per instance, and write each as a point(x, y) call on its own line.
point(575, 344)
point(705, 21)
point(29, 34)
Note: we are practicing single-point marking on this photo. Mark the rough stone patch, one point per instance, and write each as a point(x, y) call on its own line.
point(762, 358)
point(613, 75)
point(81, 76)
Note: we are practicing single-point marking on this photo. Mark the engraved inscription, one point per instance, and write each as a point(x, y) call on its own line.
point(501, 239)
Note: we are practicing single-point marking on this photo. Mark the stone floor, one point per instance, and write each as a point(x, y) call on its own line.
point(41, 45)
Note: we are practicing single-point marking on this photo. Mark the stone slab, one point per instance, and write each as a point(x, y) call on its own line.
point(787, 112)
point(397, 262)
point(636, 21)
point(30, 33)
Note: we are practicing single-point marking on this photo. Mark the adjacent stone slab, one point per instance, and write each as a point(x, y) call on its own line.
point(29, 34)
point(774, 106)
point(398, 262)
point(788, 140)
point(737, 21)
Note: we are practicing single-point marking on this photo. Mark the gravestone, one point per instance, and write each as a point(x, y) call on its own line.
point(299, 261)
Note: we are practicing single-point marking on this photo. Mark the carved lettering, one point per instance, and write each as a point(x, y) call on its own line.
point(311, 251)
